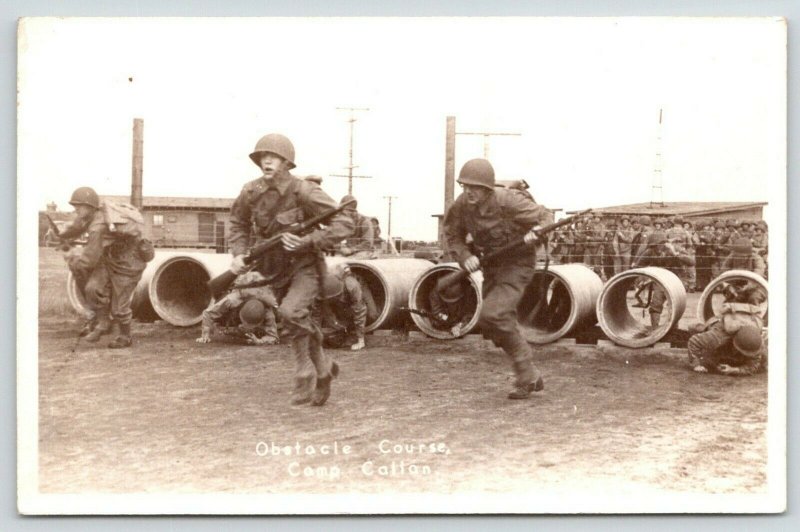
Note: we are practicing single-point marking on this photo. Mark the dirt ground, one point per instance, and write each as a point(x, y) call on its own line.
point(171, 415)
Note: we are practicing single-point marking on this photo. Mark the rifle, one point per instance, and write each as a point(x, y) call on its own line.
point(219, 284)
point(436, 320)
point(456, 277)
point(64, 244)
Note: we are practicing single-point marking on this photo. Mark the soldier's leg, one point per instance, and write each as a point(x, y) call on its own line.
point(626, 261)
point(498, 320)
point(295, 312)
point(97, 292)
point(122, 289)
point(657, 305)
point(702, 346)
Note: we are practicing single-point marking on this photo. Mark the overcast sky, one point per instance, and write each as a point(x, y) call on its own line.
point(584, 94)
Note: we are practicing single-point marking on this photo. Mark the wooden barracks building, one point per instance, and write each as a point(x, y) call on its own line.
point(174, 222)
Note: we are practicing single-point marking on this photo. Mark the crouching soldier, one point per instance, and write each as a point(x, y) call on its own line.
point(743, 257)
point(731, 344)
point(342, 312)
point(108, 268)
point(449, 307)
point(247, 311)
point(496, 217)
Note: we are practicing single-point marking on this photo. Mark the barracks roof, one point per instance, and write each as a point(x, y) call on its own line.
point(177, 203)
point(684, 208)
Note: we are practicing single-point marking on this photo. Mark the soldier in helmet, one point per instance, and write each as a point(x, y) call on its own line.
point(252, 302)
point(719, 248)
point(342, 310)
point(623, 245)
point(704, 253)
point(661, 253)
point(268, 206)
point(495, 217)
point(360, 244)
point(731, 343)
point(108, 268)
point(639, 243)
point(743, 257)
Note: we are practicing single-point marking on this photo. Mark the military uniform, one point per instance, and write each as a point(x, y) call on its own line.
point(220, 313)
point(503, 217)
point(704, 256)
point(267, 207)
point(345, 313)
point(623, 246)
point(751, 262)
point(674, 262)
point(593, 247)
point(361, 243)
point(107, 270)
point(714, 346)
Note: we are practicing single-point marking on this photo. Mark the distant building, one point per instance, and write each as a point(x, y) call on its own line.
point(691, 210)
point(184, 222)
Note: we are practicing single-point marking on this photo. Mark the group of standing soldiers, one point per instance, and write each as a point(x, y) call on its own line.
point(612, 245)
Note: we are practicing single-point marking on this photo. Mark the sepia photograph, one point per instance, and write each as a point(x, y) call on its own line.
point(440, 265)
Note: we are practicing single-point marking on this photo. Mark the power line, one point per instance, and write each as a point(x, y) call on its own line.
point(350, 166)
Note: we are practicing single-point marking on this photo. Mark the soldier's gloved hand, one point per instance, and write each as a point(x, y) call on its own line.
point(531, 236)
point(700, 369)
point(238, 265)
point(442, 316)
point(294, 243)
point(203, 339)
point(472, 264)
point(726, 369)
point(455, 330)
point(252, 339)
point(346, 251)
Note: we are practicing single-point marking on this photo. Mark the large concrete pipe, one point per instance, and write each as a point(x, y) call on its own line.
point(558, 301)
point(387, 282)
point(141, 307)
point(618, 300)
point(470, 305)
point(713, 297)
point(178, 290)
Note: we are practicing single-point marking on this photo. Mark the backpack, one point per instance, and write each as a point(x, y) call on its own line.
point(123, 220)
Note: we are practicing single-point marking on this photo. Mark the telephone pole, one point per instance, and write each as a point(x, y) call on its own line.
point(486, 135)
point(350, 166)
point(657, 189)
point(389, 238)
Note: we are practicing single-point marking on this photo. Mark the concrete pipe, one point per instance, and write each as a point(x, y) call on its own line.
point(624, 304)
point(140, 305)
point(387, 283)
point(713, 297)
point(469, 307)
point(558, 301)
point(178, 290)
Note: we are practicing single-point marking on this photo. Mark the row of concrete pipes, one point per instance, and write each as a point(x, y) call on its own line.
point(559, 301)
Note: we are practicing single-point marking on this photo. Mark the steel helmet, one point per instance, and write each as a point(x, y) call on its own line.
point(730, 223)
point(677, 220)
point(645, 220)
point(748, 340)
point(477, 172)
point(719, 225)
point(252, 313)
point(657, 238)
point(332, 286)
point(452, 293)
point(348, 197)
point(85, 196)
point(742, 246)
point(274, 143)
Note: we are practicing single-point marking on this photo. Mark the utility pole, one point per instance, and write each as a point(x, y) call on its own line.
point(657, 190)
point(136, 163)
point(486, 135)
point(389, 238)
point(350, 165)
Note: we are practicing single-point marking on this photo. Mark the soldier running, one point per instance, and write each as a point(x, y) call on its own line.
point(108, 268)
point(268, 206)
point(495, 217)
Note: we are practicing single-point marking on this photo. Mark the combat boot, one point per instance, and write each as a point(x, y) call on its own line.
point(303, 388)
point(323, 388)
point(123, 336)
point(525, 383)
point(102, 327)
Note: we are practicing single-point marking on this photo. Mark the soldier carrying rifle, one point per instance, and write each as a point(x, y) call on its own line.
point(270, 206)
point(495, 217)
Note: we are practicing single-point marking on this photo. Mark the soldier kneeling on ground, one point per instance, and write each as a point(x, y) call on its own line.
point(449, 307)
point(718, 350)
point(341, 310)
point(247, 311)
